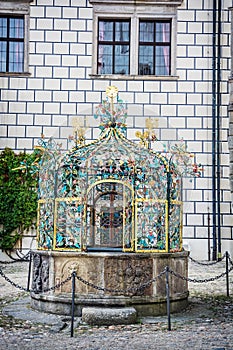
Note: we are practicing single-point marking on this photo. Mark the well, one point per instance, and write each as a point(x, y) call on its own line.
point(113, 271)
point(110, 210)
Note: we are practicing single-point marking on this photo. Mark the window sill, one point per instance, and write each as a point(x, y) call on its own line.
point(15, 74)
point(132, 77)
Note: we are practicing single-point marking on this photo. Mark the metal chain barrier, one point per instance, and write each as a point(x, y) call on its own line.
point(209, 263)
point(24, 259)
point(11, 282)
point(129, 290)
point(132, 290)
point(57, 286)
point(19, 254)
point(229, 258)
point(194, 280)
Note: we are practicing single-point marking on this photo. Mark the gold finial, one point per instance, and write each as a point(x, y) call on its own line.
point(111, 92)
point(151, 124)
point(79, 131)
point(148, 135)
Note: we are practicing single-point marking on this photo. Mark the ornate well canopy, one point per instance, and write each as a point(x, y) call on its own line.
point(111, 194)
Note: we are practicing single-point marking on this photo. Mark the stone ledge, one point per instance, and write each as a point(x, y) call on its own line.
point(109, 316)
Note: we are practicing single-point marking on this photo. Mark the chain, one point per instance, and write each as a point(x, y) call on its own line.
point(56, 286)
point(131, 290)
point(11, 282)
point(124, 291)
point(209, 263)
point(229, 258)
point(194, 280)
point(25, 258)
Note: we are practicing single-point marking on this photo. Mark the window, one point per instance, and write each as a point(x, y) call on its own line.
point(134, 39)
point(113, 47)
point(11, 44)
point(14, 37)
point(154, 48)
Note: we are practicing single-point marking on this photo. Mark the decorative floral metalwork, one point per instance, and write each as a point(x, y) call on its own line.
point(45, 224)
point(79, 132)
point(112, 193)
point(111, 114)
point(68, 223)
point(152, 226)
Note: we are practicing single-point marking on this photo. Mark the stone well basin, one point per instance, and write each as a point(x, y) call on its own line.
point(111, 270)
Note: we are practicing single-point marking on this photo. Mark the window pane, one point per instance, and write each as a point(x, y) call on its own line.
point(105, 31)
point(146, 60)
point(3, 27)
point(16, 28)
point(121, 59)
point(2, 57)
point(154, 47)
point(12, 44)
point(163, 32)
point(105, 63)
point(146, 32)
point(122, 31)
point(16, 57)
point(112, 57)
point(162, 60)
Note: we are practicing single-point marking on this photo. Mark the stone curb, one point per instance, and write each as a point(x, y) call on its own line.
point(109, 316)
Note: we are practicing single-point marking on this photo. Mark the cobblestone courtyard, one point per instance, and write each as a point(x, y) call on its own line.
point(207, 323)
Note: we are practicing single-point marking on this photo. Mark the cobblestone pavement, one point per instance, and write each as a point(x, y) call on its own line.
point(207, 323)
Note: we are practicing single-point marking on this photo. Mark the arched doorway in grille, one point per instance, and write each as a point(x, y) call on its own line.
point(109, 216)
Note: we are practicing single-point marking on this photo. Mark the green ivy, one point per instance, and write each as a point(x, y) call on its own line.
point(18, 196)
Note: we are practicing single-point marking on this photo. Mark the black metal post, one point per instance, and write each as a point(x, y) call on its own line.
point(227, 274)
point(73, 304)
point(168, 200)
point(168, 299)
point(29, 271)
point(209, 249)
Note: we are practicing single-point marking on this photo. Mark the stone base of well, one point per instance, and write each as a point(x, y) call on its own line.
point(119, 276)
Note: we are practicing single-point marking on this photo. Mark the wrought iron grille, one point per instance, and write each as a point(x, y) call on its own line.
point(112, 193)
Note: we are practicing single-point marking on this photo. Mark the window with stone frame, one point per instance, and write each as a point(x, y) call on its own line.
point(14, 34)
point(134, 39)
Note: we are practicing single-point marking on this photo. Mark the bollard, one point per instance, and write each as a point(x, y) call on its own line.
point(168, 299)
point(72, 305)
point(29, 271)
point(227, 273)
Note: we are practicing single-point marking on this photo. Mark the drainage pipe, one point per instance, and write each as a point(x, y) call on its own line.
point(218, 128)
point(214, 256)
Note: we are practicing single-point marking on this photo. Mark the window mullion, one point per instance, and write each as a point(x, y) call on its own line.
point(134, 45)
point(7, 44)
point(114, 47)
point(154, 49)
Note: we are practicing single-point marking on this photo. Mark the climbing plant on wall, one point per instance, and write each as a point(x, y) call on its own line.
point(18, 195)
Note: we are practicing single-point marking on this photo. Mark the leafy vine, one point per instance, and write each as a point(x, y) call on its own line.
point(18, 195)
